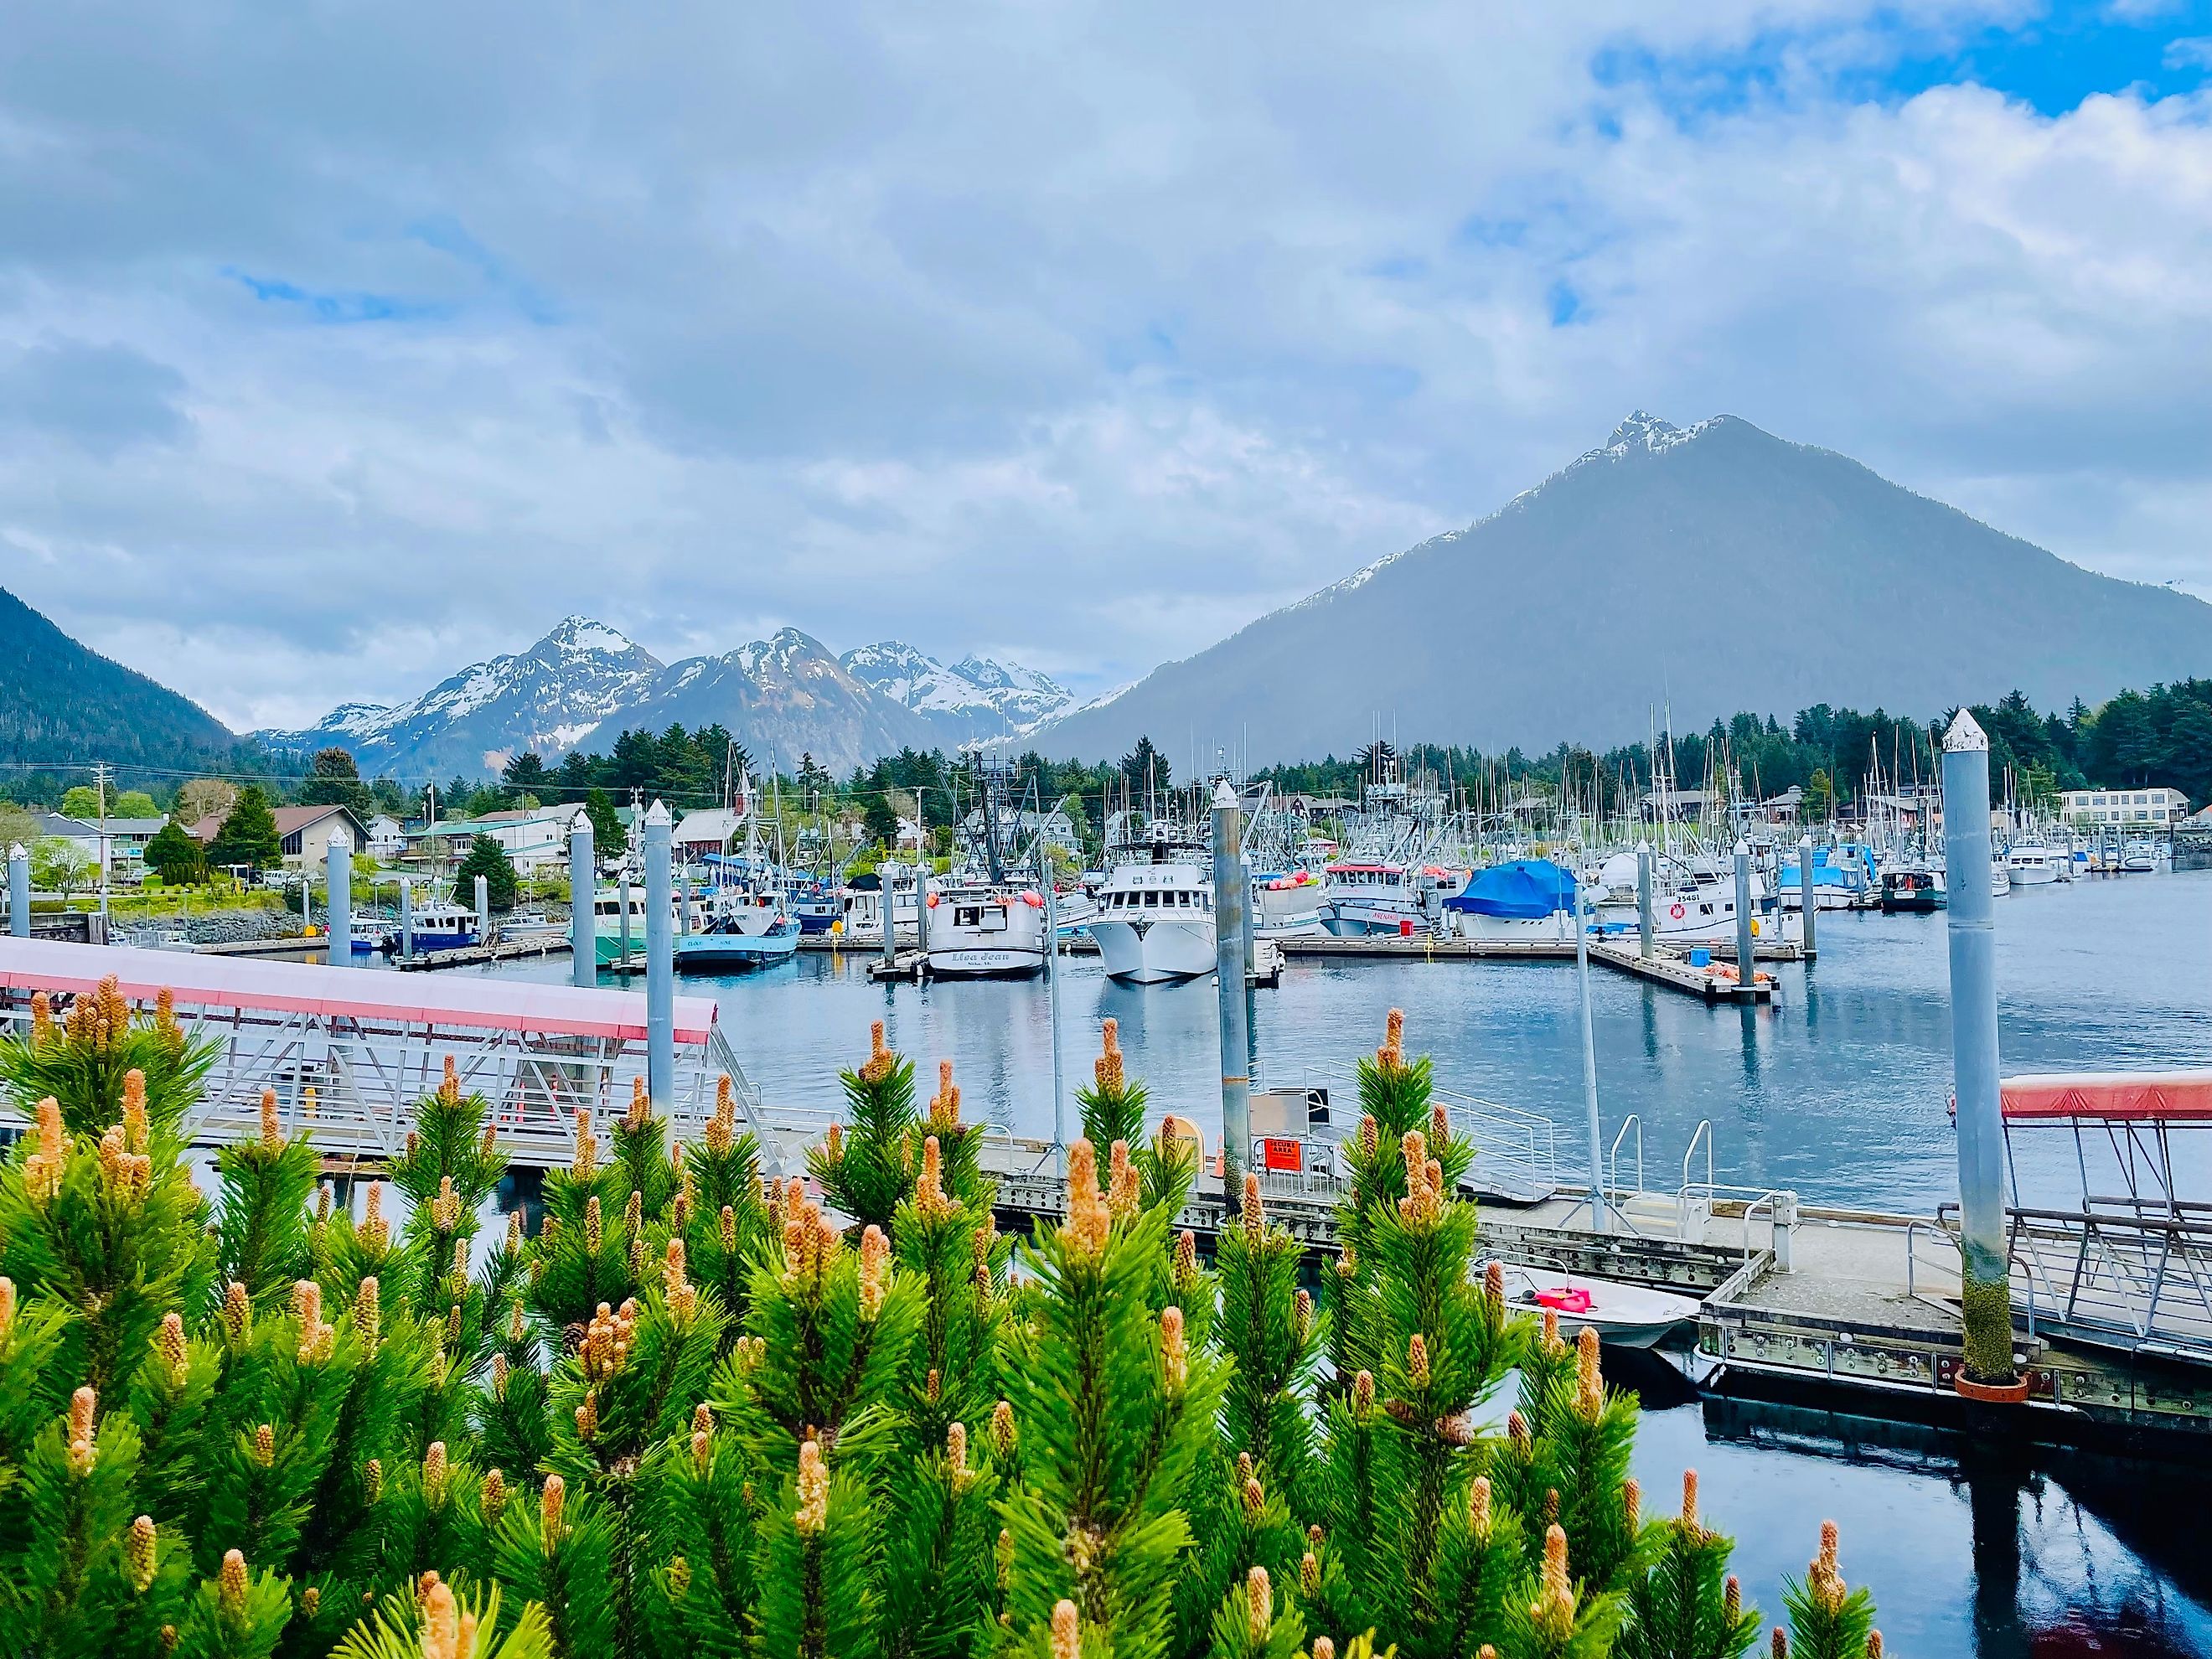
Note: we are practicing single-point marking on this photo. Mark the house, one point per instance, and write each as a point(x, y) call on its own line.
point(709, 829)
point(120, 845)
point(1023, 828)
point(387, 838)
point(303, 832)
point(2156, 809)
point(534, 838)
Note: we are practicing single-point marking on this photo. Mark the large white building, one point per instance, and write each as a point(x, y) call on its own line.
point(2153, 808)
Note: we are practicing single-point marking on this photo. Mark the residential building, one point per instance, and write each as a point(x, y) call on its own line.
point(387, 838)
point(1022, 828)
point(120, 845)
point(2158, 809)
point(303, 832)
point(534, 838)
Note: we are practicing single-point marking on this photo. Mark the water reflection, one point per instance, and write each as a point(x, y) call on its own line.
point(1987, 1548)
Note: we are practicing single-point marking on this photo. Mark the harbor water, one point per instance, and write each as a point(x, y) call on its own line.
point(1839, 1092)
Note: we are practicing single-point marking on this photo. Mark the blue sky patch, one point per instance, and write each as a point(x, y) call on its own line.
point(337, 309)
point(2070, 51)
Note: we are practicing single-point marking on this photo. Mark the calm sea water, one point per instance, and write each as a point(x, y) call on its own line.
point(1839, 1092)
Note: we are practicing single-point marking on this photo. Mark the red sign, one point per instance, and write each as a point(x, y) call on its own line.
point(1277, 1152)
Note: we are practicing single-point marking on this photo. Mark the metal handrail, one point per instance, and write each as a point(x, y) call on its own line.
point(1772, 1200)
point(1613, 1156)
point(1704, 1132)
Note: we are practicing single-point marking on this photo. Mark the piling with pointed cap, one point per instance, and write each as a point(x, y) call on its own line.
point(1746, 967)
point(19, 892)
point(659, 962)
point(338, 881)
point(583, 890)
point(1984, 1269)
point(1229, 901)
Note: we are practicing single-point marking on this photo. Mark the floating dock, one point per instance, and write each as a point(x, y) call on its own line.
point(470, 956)
point(1854, 1309)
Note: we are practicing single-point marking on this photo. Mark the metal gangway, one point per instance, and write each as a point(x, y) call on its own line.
point(349, 1052)
point(2128, 1264)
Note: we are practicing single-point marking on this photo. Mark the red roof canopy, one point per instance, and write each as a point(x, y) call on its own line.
point(451, 999)
point(2127, 1097)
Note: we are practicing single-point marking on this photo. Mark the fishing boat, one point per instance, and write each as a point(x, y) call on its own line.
point(1520, 899)
point(980, 929)
point(1842, 877)
point(1697, 906)
point(1623, 1315)
point(1913, 889)
point(2031, 864)
point(1154, 920)
point(2000, 877)
point(440, 925)
point(2139, 857)
point(1365, 897)
point(1292, 904)
point(742, 932)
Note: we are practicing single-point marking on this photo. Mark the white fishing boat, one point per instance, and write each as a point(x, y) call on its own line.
point(2031, 864)
point(1698, 907)
point(985, 930)
point(2139, 857)
point(2000, 877)
point(1623, 1315)
point(1530, 899)
point(1154, 920)
point(1292, 905)
point(1367, 897)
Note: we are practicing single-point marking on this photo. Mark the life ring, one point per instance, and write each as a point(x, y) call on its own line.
point(1677, 912)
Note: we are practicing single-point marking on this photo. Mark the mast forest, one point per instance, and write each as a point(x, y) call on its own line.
point(700, 1412)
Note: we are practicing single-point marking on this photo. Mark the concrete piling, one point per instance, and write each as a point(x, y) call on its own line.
point(1229, 899)
point(583, 894)
point(1984, 1268)
point(659, 963)
point(338, 881)
point(19, 892)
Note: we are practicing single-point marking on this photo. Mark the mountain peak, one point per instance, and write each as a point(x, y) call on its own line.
point(1646, 431)
point(583, 634)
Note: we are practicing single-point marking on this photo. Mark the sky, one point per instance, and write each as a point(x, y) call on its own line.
point(342, 346)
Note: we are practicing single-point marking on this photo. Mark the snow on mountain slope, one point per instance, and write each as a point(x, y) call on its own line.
point(784, 696)
point(976, 697)
point(548, 698)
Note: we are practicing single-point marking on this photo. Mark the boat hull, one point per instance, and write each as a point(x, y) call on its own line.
point(735, 955)
point(1154, 953)
point(985, 962)
point(1623, 1315)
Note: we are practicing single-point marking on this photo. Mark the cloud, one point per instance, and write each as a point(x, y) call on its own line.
point(98, 400)
point(1089, 332)
point(2192, 51)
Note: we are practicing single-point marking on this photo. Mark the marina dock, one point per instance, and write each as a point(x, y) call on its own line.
point(1857, 1308)
point(470, 956)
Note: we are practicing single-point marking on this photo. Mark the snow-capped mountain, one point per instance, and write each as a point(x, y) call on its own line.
point(975, 698)
point(549, 698)
point(782, 697)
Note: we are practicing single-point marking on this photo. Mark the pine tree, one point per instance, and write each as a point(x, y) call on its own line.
point(487, 859)
point(248, 834)
point(692, 1417)
point(1828, 1620)
point(1684, 1604)
point(1117, 1411)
